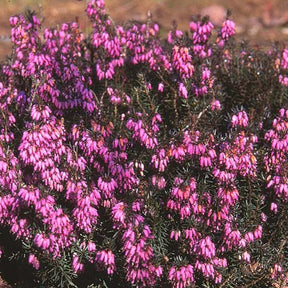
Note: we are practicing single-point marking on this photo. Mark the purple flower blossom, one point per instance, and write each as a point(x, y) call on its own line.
point(34, 261)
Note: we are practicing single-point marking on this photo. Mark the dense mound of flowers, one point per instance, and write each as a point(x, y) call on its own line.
point(131, 161)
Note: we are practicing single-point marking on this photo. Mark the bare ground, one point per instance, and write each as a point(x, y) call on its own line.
point(259, 21)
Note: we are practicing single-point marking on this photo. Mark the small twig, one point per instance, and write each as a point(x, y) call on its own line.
point(201, 113)
point(224, 283)
point(256, 281)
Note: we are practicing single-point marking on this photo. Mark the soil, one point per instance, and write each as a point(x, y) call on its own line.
point(261, 22)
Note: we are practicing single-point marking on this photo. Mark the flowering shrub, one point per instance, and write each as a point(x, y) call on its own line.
point(128, 161)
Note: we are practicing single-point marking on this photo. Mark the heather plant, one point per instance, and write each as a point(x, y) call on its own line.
point(131, 161)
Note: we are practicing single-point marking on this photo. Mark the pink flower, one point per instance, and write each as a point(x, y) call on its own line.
point(183, 90)
point(181, 277)
point(246, 256)
point(240, 119)
point(215, 105)
point(106, 259)
point(118, 213)
point(249, 237)
point(34, 261)
point(175, 234)
point(91, 246)
point(274, 207)
point(77, 266)
point(159, 182)
point(258, 232)
point(159, 271)
point(234, 120)
point(206, 248)
point(228, 29)
point(160, 87)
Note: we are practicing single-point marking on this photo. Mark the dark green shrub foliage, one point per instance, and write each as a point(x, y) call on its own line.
point(127, 161)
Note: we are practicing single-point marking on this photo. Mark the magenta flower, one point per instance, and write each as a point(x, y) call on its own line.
point(34, 261)
point(105, 259)
point(215, 105)
point(227, 30)
point(118, 214)
point(77, 266)
point(181, 277)
point(246, 257)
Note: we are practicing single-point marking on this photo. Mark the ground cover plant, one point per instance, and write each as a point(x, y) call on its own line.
point(131, 161)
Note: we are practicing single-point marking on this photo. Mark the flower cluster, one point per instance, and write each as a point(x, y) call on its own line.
point(119, 156)
point(276, 160)
point(226, 32)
